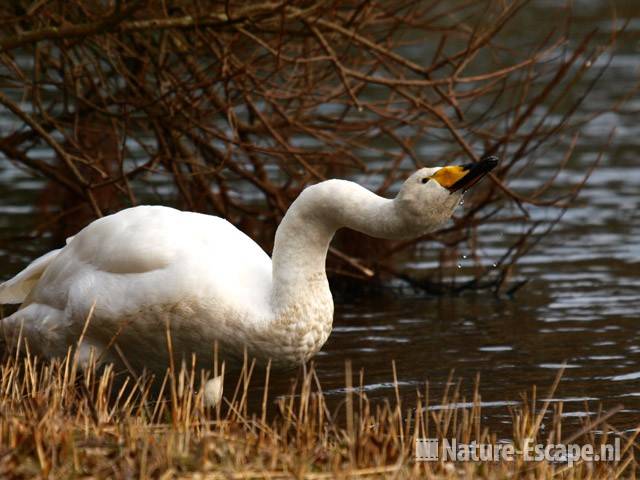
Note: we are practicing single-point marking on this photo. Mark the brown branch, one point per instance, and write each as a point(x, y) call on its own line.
point(116, 23)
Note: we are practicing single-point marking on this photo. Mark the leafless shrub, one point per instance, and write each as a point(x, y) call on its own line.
point(240, 105)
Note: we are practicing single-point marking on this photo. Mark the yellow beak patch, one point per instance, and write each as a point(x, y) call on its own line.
point(448, 176)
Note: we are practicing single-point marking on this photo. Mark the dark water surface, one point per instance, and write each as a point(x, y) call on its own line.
point(581, 304)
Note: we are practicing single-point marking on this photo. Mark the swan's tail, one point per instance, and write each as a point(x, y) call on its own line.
point(16, 289)
point(8, 337)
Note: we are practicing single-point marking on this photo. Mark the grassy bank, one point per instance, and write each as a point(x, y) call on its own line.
point(57, 422)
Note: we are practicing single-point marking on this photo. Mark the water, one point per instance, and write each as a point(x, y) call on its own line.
point(580, 305)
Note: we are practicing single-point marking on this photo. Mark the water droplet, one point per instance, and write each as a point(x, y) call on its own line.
point(459, 266)
point(494, 265)
point(464, 256)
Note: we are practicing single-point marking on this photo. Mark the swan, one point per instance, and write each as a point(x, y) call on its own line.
point(125, 277)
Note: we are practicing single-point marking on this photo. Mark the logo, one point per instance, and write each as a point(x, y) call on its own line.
point(432, 449)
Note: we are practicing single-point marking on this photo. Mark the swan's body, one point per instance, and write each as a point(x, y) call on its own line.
point(135, 272)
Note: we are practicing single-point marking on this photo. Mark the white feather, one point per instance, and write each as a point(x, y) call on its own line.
point(16, 289)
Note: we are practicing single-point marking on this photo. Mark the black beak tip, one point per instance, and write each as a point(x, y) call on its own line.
point(490, 162)
point(475, 172)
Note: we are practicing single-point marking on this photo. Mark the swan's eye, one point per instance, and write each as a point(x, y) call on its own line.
point(425, 179)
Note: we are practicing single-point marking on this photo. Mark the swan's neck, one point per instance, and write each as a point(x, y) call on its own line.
point(302, 302)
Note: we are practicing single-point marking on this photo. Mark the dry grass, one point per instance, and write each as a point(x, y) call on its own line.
point(57, 421)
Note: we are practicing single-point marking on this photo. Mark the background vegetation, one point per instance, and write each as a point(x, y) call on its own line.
point(239, 106)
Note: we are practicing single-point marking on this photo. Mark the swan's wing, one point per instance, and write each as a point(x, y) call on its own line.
point(148, 256)
point(16, 289)
point(137, 268)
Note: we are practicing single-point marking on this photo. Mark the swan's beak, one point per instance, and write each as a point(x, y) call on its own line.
point(463, 177)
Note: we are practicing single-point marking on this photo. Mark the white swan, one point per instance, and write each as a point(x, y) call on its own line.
point(145, 266)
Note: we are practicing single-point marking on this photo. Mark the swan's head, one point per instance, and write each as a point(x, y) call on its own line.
point(429, 197)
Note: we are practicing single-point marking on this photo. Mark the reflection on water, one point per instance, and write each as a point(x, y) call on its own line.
point(580, 306)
